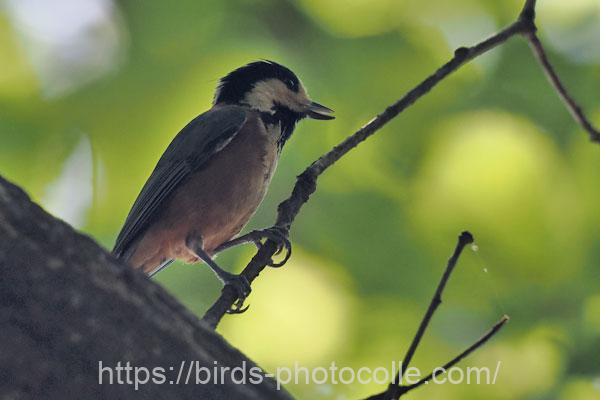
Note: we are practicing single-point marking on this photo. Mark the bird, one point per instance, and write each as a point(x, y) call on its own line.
point(214, 174)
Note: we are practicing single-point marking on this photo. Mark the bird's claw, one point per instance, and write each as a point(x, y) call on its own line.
point(278, 235)
point(237, 308)
point(275, 233)
point(241, 286)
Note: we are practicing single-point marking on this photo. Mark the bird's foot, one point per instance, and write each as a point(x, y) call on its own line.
point(241, 286)
point(276, 234)
point(280, 237)
point(239, 283)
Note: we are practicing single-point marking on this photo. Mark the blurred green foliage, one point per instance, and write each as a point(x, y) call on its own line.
point(86, 110)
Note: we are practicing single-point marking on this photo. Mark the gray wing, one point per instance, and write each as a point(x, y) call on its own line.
point(193, 146)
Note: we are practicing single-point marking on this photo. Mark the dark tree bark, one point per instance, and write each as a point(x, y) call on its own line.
point(66, 304)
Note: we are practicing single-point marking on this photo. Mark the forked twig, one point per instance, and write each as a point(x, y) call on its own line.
point(395, 390)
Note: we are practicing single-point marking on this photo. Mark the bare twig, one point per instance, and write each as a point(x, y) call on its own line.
point(464, 239)
point(528, 9)
point(395, 390)
point(461, 356)
point(528, 16)
point(306, 182)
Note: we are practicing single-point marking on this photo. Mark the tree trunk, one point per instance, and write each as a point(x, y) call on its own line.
point(66, 305)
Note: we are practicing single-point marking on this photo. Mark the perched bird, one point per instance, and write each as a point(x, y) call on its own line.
point(213, 176)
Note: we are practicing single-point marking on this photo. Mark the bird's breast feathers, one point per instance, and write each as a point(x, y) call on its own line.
point(222, 197)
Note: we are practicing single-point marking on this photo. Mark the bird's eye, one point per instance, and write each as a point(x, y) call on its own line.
point(291, 84)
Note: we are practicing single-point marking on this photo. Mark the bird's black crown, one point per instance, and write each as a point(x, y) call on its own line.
point(235, 85)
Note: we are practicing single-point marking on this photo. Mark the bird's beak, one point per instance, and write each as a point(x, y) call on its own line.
point(318, 111)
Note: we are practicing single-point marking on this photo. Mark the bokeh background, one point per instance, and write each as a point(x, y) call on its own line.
point(92, 91)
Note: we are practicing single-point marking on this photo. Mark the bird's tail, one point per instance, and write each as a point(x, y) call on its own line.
point(148, 266)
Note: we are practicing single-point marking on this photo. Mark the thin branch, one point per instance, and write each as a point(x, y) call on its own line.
point(306, 182)
point(464, 239)
point(396, 390)
point(530, 33)
point(528, 10)
point(483, 340)
point(575, 109)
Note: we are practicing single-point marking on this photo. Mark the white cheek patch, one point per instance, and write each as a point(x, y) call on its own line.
point(266, 93)
point(261, 96)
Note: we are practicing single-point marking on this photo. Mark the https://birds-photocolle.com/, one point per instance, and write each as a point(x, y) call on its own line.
point(213, 176)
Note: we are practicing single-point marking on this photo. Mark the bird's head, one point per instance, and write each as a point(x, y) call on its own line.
point(269, 88)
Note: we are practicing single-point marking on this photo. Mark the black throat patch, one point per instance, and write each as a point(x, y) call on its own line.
point(285, 118)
